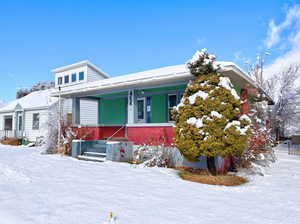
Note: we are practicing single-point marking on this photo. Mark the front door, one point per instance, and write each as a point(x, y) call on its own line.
point(141, 110)
point(20, 125)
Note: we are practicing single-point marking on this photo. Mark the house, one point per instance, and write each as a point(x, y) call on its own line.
point(137, 107)
point(27, 117)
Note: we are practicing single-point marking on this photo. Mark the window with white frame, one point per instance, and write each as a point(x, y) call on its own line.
point(36, 121)
point(141, 115)
point(59, 81)
point(81, 76)
point(74, 77)
point(8, 123)
point(67, 79)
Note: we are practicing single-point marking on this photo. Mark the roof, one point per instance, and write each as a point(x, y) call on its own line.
point(35, 100)
point(154, 77)
point(80, 64)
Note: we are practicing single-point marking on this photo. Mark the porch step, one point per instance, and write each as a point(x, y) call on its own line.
point(118, 139)
point(91, 158)
point(95, 154)
point(97, 149)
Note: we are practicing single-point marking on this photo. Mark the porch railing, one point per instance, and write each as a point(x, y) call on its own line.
point(4, 134)
point(116, 132)
point(293, 149)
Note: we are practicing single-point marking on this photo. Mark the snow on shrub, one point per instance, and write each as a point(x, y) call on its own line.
point(207, 118)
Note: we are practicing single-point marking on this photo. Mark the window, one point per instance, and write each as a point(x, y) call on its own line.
point(81, 76)
point(172, 102)
point(8, 123)
point(35, 121)
point(59, 81)
point(141, 110)
point(67, 79)
point(74, 78)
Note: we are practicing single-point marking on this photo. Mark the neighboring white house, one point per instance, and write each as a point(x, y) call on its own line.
point(27, 117)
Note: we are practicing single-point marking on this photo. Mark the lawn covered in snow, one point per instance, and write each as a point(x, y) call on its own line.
point(52, 189)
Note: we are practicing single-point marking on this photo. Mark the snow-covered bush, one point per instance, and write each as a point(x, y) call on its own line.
point(208, 121)
point(153, 156)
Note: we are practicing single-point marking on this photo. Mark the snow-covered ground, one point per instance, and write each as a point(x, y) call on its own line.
point(44, 189)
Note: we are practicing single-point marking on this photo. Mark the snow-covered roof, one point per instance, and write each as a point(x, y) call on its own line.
point(34, 100)
point(2, 103)
point(79, 64)
point(154, 77)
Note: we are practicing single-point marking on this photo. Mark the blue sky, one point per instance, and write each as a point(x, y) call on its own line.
point(127, 36)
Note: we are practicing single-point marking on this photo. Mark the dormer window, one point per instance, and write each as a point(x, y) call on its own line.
point(81, 76)
point(67, 79)
point(74, 78)
point(59, 81)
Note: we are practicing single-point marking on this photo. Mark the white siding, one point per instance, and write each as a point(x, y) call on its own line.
point(67, 106)
point(93, 75)
point(30, 134)
point(88, 112)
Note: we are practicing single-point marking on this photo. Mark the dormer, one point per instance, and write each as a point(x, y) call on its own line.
point(74, 74)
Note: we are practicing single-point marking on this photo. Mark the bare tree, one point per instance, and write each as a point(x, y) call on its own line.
point(286, 94)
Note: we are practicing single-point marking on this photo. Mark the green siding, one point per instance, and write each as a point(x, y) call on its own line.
point(159, 108)
point(178, 87)
point(112, 111)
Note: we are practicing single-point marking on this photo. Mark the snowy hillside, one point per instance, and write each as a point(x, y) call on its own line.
point(52, 189)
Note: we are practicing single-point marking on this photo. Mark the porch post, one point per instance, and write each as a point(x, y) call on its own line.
point(245, 109)
point(76, 110)
point(130, 107)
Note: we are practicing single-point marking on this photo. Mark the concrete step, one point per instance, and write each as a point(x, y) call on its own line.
point(95, 154)
point(96, 149)
point(91, 158)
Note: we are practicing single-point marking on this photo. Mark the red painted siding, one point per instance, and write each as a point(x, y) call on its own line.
point(151, 135)
point(98, 133)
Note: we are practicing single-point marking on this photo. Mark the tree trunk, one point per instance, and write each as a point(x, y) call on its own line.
point(211, 166)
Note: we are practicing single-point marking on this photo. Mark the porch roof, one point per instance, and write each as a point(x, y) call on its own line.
point(158, 76)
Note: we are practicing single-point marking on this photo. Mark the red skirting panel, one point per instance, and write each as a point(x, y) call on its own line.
point(99, 133)
point(151, 135)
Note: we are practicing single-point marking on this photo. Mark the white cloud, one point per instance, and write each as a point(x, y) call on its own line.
point(275, 31)
point(287, 34)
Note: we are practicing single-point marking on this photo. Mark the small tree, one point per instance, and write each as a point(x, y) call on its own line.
point(208, 121)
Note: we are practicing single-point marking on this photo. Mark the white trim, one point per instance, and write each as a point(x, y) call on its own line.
point(79, 64)
point(151, 125)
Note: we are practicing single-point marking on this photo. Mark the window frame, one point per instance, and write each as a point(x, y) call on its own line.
point(34, 125)
point(79, 76)
point(137, 110)
point(8, 117)
point(59, 80)
point(72, 77)
point(66, 79)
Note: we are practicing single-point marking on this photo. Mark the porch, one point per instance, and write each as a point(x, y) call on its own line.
point(140, 115)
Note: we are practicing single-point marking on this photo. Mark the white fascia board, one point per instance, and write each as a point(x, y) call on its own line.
point(98, 85)
point(79, 64)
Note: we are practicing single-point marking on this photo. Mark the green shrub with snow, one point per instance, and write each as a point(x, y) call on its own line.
point(208, 121)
